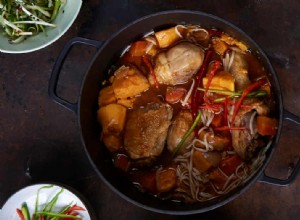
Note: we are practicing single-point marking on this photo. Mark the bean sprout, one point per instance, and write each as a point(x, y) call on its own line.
point(188, 95)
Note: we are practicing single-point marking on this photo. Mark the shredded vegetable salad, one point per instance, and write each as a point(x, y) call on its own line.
point(22, 18)
point(47, 211)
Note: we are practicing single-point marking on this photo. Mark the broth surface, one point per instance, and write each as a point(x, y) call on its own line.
point(187, 113)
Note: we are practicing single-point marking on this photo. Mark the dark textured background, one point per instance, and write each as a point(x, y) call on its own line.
point(40, 140)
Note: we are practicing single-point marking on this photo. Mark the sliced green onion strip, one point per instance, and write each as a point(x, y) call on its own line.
point(257, 93)
point(3, 21)
point(51, 214)
point(35, 22)
point(187, 134)
point(56, 8)
point(38, 8)
point(37, 197)
point(52, 203)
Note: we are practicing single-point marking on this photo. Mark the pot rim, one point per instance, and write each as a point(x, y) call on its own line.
point(279, 104)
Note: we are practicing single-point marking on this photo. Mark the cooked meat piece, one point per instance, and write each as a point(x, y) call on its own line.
point(146, 131)
point(217, 141)
point(243, 142)
point(239, 70)
point(178, 64)
point(198, 35)
point(182, 123)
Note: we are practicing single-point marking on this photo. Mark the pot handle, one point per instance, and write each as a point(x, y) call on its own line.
point(57, 68)
point(284, 182)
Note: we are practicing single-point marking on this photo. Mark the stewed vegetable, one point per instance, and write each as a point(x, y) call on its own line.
point(23, 18)
point(188, 113)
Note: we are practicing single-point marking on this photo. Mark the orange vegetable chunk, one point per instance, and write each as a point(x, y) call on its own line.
point(266, 125)
point(165, 179)
point(200, 162)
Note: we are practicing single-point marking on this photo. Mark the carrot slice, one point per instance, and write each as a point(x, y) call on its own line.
point(252, 87)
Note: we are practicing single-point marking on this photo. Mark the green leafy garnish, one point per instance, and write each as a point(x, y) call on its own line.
point(187, 134)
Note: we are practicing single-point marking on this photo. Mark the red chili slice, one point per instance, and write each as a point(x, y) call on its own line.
point(148, 63)
point(20, 214)
point(252, 87)
point(196, 97)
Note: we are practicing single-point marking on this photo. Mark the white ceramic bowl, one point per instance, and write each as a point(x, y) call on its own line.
point(29, 194)
point(64, 20)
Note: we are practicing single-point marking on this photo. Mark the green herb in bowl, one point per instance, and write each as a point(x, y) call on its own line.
point(20, 19)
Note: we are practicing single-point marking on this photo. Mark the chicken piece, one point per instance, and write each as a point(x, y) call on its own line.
point(244, 142)
point(146, 131)
point(178, 64)
point(129, 82)
point(198, 35)
point(182, 123)
point(239, 70)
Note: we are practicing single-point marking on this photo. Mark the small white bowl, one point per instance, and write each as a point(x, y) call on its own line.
point(29, 194)
point(63, 21)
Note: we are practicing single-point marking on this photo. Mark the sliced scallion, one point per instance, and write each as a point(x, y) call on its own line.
point(187, 134)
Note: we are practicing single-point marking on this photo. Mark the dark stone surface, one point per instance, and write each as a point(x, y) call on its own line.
point(40, 140)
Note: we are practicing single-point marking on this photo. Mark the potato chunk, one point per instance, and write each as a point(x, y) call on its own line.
point(167, 37)
point(165, 179)
point(219, 46)
point(112, 118)
point(128, 103)
point(112, 142)
point(129, 82)
point(233, 42)
point(200, 162)
point(222, 80)
point(106, 96)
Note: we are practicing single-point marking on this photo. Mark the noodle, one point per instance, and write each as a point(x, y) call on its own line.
point(177, 32)
point(185, 100)
point(251, 123)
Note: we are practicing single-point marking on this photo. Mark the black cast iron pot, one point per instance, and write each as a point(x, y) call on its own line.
point(107, 54)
